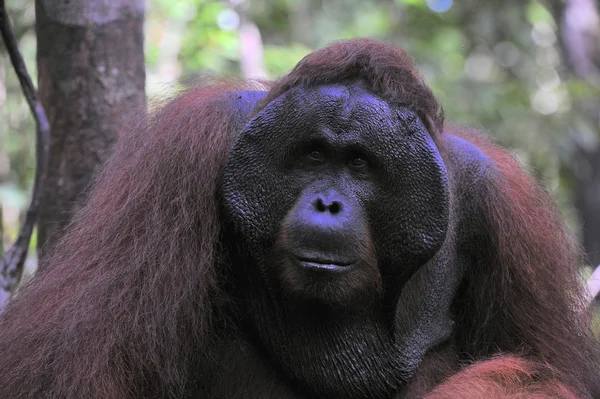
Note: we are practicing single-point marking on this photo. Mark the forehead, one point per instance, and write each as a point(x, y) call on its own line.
point(348, 107)
point(343, 116)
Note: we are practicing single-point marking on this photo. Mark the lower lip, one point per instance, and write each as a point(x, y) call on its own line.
point(324, 266)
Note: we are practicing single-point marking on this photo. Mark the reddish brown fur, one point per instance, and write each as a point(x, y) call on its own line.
point(504, 378)
point(125, 301)
point(530, 291)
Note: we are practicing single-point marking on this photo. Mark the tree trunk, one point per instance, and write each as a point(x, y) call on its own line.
point(579, 28)
point(587, 200)
point(580, 32)
point(91, 80)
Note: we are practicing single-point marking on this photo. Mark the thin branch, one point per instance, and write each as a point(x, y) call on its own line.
point(11, 265)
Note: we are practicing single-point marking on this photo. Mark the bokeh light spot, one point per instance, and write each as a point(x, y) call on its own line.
point(439, 5)
point(545, 101)
point(228, 20)
point(480, 66)
point(543, 34)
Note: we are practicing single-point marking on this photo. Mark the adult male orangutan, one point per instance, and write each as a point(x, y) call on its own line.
point(325, 236)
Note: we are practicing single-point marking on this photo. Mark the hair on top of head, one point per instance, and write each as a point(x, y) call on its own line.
point(385, 68)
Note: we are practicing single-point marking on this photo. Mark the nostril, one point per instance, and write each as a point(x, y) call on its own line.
point(332, 207)
point(320, 205)
point(335, 207)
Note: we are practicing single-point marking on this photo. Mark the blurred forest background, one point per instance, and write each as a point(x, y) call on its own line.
point(524, 71)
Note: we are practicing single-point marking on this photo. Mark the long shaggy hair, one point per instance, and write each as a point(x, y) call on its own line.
point(124, 305)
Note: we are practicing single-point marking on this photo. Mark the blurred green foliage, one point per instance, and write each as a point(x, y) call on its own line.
point(495, 65)
point(17, 129)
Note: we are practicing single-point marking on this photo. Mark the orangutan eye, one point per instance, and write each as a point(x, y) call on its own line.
point(316, 155)
point(358, 162)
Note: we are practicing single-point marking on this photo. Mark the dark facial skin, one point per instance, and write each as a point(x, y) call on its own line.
point(330, 165)
point(340, 198)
